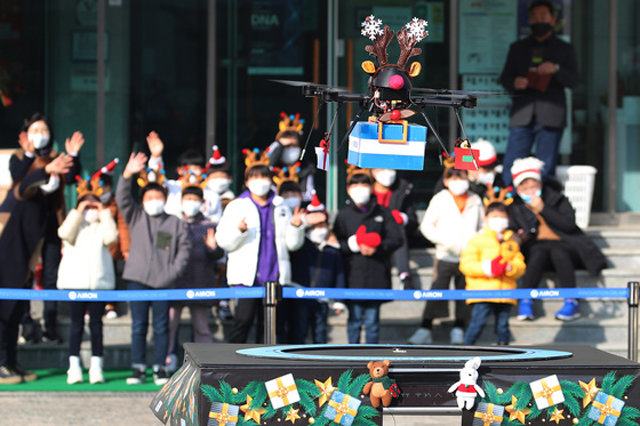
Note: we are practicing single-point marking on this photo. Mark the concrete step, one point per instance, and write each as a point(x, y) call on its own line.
point(610, 277)
point(614, 237)
point(618, 257)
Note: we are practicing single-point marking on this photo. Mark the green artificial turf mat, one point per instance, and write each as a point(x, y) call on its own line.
point(55, 380)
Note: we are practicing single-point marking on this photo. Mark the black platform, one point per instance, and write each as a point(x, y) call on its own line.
point(423, 373)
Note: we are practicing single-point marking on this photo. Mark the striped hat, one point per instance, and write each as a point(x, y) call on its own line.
point(525, 168)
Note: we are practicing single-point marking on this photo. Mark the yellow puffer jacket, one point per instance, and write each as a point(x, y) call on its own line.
point(485, 246)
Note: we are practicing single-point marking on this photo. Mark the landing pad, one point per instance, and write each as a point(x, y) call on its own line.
point(234, 374)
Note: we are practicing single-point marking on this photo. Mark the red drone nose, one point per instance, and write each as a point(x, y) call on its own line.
point(396, 82)
point(395, 114)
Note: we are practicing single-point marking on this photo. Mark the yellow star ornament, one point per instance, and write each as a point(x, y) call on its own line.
point(590, 390)
point(292, 415)
point(326, 388)
point(250, 414)
point(556, 416)
point(516, 414)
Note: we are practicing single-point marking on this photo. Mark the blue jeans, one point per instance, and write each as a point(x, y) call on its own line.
point(365, 313)
point(140, 324)
point(479, 314)
point(547, 140)
point(319, 315)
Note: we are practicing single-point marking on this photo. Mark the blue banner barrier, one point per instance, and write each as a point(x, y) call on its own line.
point(132, 295)
point(371, 294)
point(311, 293)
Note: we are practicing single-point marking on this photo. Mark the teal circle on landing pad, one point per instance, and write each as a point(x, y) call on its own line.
point(395, 353)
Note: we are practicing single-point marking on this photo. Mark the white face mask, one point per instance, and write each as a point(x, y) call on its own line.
point(219, 185)
point(153, 207)
point(39, 140)
point(458, 186)
point(90, 215)
point(486, 178)
point(259, 187)
point(105, 197)
point(360, 194)
point(290, 155)
point(385, 177)
point(191, 207)
point(318, 235)
point(52, 185)
point(498, 224)
point(292, 202)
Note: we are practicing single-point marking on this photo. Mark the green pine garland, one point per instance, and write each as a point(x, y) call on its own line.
point(308, 392)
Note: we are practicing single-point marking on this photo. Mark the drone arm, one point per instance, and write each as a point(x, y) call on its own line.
point(434, 131)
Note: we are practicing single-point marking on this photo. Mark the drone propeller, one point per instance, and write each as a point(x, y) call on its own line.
point(475, 93)
point(297, 83)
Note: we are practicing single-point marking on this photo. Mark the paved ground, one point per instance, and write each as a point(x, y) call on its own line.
point(75, 408)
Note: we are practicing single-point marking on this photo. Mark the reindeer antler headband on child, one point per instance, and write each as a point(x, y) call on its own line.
point(95, 185)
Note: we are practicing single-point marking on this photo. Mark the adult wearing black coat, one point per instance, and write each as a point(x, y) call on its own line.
point(29, 212)
point(545, 222)
point(368, 236)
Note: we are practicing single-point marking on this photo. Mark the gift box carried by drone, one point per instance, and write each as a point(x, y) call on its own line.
point(387, 139)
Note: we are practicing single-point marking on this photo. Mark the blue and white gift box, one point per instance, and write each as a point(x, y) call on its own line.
point(387, 146)
point(605, 409)
point(342, 408)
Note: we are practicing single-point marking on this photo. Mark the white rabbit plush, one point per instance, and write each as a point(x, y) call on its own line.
point(466, 388)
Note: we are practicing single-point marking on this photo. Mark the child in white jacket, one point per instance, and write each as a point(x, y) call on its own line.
point(258, 231)
point(86, 264)
point(453, 216)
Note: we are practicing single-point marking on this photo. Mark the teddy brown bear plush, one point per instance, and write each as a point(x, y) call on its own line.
point(381, 387)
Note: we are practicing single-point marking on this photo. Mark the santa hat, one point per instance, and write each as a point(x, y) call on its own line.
point(217, 159)
point(526, 168)
point(315, 205)
point(106, 170)
point(488, 154)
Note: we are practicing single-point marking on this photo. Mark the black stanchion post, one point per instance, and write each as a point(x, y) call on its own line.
point(272, 293)
point(634, 293)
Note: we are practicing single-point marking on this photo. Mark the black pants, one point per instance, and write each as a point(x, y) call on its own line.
point(437, 308)
point(76, 312)
point(9, 334)
point(50, 263)
point(247, 310)
point(400, 257)
point(545, 253)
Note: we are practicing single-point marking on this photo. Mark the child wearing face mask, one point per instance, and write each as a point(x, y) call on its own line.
point(368, 235)
point(219, 179)
point(453, 216)
point(491, 261)
point(317, 264)
point(190, 162)
point(395, 194)
point(159, 254)
point(199, 273)
point(285, 152)
point(87, 232)
point(119, 249)
point(257, 235)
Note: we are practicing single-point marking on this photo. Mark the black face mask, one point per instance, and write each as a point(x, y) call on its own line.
point(540, 28)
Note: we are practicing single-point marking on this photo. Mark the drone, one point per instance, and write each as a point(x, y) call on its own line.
point(391, 97)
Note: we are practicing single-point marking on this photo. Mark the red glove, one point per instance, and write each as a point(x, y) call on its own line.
point(397, 216)
point(497, 267)
point(370, 239)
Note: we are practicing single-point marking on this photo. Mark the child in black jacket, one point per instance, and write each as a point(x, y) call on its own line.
point(368, 236)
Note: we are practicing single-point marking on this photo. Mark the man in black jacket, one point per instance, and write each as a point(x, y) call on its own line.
point(545, 222)
point(368, 236)
point(537, 70)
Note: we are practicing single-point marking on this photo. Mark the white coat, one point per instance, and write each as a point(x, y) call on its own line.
point(449, 229)
point(243, 247)
point(86, 262)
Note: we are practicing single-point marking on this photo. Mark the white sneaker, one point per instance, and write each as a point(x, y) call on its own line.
point(74, 375)
point(422, 336)
point(457, 336)
point(111, 315)
point(95, 371)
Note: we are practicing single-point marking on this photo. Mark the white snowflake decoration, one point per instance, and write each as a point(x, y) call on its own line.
point(371, 27)
point(417, 29)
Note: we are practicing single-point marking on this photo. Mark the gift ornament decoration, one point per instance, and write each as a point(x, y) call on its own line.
point(223, 414)
point(606, 409)
point(282, 391)
point(342, 408)
point(547, 392)
point(488, 414)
